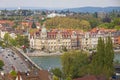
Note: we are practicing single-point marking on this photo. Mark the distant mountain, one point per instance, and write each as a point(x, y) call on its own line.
point(27, 8)
point(80, 9)
point(30, 8)
point(92, 9)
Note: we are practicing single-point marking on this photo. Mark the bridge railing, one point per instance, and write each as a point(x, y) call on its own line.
point(27, 58)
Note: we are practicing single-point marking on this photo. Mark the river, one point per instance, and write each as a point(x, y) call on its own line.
point(47, 62)
point(55, 61)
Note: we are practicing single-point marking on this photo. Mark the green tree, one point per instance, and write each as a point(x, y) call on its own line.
point(64, 48)
point(7, 38)
point(26, 41)
point(13, 42)
point(98, 58)
point(73, 63)
point(33, 25)
point(66, 22)
point(57, 72)
point(108, 60)
point(1, 42)
point(22, 40)
point(102, 62)
point(68, 78)
point(13, 73)
point(1, 64)
point(43, 13)
point(117, 27)
point(55, 78)
point(85, 25)
point(19, 40)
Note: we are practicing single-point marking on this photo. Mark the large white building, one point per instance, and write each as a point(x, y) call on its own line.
point(53, 40)
point(59, 39)
point(90, 39)
point(52, 15)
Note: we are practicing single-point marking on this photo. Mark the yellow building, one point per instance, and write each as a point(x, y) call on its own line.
point(53, 40)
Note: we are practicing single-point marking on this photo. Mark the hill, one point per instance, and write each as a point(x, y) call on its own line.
point(92, 9)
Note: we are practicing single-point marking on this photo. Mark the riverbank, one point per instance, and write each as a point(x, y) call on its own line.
point(42, 53)
point(57, 53)
point(117, 51)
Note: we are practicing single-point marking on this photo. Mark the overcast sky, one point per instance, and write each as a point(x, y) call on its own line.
point(58, 3)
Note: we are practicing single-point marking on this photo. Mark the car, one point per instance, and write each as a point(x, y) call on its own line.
point(26, 60)
point(12, 55)
point(8, 54)
point(14, 58)
point(1, 50)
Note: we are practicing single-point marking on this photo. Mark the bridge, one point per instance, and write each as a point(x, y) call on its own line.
point(29, 62)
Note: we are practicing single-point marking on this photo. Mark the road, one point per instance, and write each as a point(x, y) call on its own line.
point(13, 61)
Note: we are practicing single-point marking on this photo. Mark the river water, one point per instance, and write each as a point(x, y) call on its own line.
point(48, 62)
point(55, 61)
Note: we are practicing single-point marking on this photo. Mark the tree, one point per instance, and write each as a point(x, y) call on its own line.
point(19, 40)
point(55, 78)
point(33, 25)
point(109, 55)
point(26, 41)
point(85, 25)
point(64, 48)
point(43, 13)
point(13, 42)
point(106, 20)
point(1, 64)
point(117, 27)
point(66, 22)
point(6, 38)
point(98, 58)
point(68, 78)
point(22, 41)
point(73, 63)
point(94, 22)
point(102, 62)
point(13, 73)
point(1, 42)
point(95, 15)
point(57, 72)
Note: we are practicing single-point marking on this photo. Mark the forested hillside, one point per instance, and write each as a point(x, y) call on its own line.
point(68, 23)
point(86, 21)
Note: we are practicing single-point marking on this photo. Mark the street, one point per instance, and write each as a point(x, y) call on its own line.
point(12, 61)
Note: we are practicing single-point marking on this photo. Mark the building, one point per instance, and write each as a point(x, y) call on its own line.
point(52, 15)
point(53, 40)
point(90, 39)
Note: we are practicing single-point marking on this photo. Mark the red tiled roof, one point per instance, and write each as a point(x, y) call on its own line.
point(6, 21)
point(51, 34)
point(95, 30)
point(44, 75)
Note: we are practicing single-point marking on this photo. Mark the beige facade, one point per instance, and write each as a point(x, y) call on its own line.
point(53, 41)
point(90, 40)
point(2, 33)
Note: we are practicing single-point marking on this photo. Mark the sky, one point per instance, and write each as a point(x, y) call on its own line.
point(58, 3)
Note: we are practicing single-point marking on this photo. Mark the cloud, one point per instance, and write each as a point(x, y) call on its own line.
point(58, 3)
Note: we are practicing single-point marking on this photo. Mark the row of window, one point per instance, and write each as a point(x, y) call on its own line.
point(67, 43)
point(56, 47)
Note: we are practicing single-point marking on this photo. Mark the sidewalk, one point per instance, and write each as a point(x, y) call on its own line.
point(42, 53)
